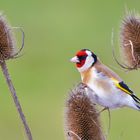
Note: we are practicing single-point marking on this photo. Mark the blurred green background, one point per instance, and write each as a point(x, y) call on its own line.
point(55, 30)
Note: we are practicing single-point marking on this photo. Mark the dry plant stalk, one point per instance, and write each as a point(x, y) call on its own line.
point(8, 51)
point(130, 41)
point(81, 118)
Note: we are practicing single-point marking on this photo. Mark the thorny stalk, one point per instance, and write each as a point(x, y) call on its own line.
point(15, 98)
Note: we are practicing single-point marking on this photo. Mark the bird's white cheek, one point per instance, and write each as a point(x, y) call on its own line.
point(88, 63)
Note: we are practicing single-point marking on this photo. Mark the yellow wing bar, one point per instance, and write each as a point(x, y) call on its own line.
point(121, 85)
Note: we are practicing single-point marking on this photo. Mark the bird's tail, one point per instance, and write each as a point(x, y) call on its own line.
point(137, 100)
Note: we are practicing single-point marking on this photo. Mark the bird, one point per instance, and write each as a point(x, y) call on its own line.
point(106, 87)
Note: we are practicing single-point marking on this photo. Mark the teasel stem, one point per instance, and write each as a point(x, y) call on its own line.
point(15, 98)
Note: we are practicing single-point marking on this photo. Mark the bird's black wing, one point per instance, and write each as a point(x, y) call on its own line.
point(127, 90)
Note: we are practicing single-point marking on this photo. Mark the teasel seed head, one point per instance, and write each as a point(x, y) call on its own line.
point(81, 118)
point(130, 40)
point(7, 40)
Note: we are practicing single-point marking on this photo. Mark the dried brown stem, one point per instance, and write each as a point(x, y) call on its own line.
point(15, 98)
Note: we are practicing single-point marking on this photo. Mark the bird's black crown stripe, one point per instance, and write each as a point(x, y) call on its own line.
point(95, 58)
point(93, 55)
point(82, 57)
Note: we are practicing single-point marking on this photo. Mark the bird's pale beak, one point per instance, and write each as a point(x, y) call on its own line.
point(75, 59)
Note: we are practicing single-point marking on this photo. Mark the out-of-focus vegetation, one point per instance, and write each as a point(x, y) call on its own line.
point(55, 30)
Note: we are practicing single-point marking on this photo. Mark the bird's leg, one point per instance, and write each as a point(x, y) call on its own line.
point(109, 122)
point(84, 85)
point(105, 108)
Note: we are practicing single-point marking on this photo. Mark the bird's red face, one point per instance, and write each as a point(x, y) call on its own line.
point(84, 58)
point(79, 58)
point(81, 55)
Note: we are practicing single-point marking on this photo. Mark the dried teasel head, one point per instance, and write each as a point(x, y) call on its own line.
point(81, 118)
point(130, 41)
point(7, 40)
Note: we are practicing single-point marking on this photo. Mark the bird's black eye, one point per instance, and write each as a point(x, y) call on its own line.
point(83, 57)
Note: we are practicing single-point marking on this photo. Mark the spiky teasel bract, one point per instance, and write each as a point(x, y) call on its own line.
point(130, 40)
point(81, 118)
point(7, 40)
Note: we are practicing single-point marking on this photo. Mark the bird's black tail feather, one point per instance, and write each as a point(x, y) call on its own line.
point(137, 100)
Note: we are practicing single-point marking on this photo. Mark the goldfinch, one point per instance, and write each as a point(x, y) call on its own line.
point(107, 88)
